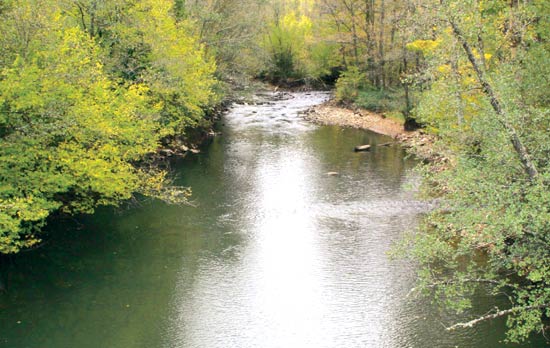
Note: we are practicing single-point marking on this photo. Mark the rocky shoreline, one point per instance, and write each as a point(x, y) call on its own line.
point(418, 143)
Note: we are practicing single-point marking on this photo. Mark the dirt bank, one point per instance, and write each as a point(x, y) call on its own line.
point(331, 114)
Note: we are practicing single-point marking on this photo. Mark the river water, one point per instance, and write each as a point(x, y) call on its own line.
point(273, 253)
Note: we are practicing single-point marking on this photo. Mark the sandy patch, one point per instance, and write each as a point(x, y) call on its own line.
point(331, 114)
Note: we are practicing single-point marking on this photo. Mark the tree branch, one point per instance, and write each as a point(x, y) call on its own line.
point(520, 149)
point(450, 282)
point(498, 314)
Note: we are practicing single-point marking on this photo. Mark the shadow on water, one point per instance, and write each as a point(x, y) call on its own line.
point(107, 279)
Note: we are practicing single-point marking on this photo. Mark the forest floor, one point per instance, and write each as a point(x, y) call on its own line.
point(419, 143)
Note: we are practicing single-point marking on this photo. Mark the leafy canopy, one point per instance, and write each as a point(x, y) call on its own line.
point(80, 109)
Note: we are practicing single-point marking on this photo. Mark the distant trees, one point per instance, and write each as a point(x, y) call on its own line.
point(285, 42)
point(371, 35)
point(294, 45)
point(231, 31)
point(87, 89)
point(305, 39)
point(313, 41)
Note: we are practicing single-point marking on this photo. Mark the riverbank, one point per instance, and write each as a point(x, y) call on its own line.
point(418, 142)
point(330, 113)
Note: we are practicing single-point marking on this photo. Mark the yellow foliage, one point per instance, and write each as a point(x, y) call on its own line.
point(424, 46)
point(181, 71)
point(73, 132)
point(444, 69)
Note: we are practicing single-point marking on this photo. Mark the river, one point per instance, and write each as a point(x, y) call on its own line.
point(274, 252)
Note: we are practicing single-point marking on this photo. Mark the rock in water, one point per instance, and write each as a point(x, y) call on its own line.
point(361, 148)
point(333, 173)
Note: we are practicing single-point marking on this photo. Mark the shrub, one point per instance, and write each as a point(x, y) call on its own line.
point(348, 85)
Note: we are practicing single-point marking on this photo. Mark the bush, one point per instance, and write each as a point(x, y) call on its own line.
point(387, 100)
point(349, 84)
point(353, 88)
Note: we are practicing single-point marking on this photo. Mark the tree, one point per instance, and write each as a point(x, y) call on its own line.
point(493, 230)
point(88, 90)
point(145, 43)
point(286, 42)
point(231, 31)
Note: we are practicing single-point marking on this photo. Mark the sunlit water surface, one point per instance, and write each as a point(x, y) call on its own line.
point(275, 253)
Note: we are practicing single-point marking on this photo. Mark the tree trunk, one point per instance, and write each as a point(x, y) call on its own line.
point(369, 20)
point(496, 315)
point(458, 95)
point(354, 35)
point(405, 83)
point(519, 147)
point(381, 62)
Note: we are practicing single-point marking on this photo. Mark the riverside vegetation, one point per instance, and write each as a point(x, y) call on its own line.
point(90, 89)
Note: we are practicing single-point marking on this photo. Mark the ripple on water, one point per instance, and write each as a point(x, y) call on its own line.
point(312, 269)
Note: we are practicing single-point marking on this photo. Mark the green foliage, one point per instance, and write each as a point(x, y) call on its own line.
point(286, 42)
point(353, 88)
point(231, 31)
point(295, 45)
point(493, 229)
point(387, 100)
point(81, 107)
point(349, 84)
point(322, 59)
point(154, 49)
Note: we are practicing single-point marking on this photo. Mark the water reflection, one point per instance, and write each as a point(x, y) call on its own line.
point(312, 269)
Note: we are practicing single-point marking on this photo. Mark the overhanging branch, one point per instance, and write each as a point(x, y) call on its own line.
point(496, 315)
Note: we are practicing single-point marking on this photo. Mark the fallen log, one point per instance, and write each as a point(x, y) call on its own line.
point(362, 148)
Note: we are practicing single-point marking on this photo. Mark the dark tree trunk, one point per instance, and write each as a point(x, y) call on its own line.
point(488, 90)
